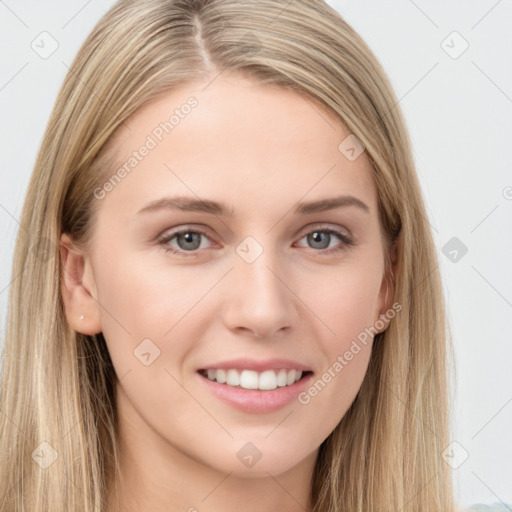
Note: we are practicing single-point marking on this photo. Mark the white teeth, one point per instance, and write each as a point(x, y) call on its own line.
point(232, 378)
point(250, 379)
point(221, 376)
point(281, 378)
point(268, 380)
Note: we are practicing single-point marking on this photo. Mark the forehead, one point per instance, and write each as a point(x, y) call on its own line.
point(233, 137)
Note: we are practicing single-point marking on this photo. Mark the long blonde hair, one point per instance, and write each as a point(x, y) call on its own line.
point(58, 386)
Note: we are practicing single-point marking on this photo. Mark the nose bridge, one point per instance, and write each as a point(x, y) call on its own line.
point(260, 279)
point(259, 301)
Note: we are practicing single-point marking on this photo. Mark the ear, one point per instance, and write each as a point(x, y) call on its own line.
point(78, 289)
point(388, 286)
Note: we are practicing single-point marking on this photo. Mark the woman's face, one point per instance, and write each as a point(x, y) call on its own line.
point(212, 258)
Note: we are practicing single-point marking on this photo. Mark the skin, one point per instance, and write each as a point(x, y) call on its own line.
point(259, 149)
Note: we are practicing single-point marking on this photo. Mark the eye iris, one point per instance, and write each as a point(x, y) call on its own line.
point(189, 239)
point(314, 237)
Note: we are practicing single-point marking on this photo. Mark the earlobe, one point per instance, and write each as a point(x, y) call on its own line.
point(78, 289)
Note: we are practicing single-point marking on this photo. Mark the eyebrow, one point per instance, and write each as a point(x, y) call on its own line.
point(190, 204)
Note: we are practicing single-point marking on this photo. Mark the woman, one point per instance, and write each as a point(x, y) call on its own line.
point(193, 342)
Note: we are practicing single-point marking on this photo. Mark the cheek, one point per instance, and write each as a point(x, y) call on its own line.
point(143, 297)
point(333, 390)
point(347, 308)
point(135, 307)
point(345, 300)
point(141, 301)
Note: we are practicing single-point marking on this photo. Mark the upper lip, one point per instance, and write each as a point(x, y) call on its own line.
point(257, 365)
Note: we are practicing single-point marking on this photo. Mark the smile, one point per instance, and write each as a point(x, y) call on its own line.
point(266, 380)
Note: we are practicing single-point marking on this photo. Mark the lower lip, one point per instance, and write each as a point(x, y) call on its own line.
point(255, 400)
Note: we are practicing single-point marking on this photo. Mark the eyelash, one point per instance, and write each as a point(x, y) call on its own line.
point(347, 241)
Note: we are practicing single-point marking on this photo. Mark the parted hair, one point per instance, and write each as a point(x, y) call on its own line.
point(58, 385)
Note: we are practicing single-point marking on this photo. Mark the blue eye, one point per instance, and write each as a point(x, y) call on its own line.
point(188, 238)
point(189, 241)
point(320, 236)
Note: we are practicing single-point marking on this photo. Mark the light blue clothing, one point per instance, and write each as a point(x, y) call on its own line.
point(495, 507)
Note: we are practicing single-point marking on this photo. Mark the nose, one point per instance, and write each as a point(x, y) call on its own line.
point(260, 300)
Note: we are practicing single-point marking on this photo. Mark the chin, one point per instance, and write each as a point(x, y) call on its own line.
point(260, 457)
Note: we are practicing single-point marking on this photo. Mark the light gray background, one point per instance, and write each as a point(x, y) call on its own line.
point(459, 113)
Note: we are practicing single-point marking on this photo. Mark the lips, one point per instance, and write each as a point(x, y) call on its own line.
point(256, 386)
